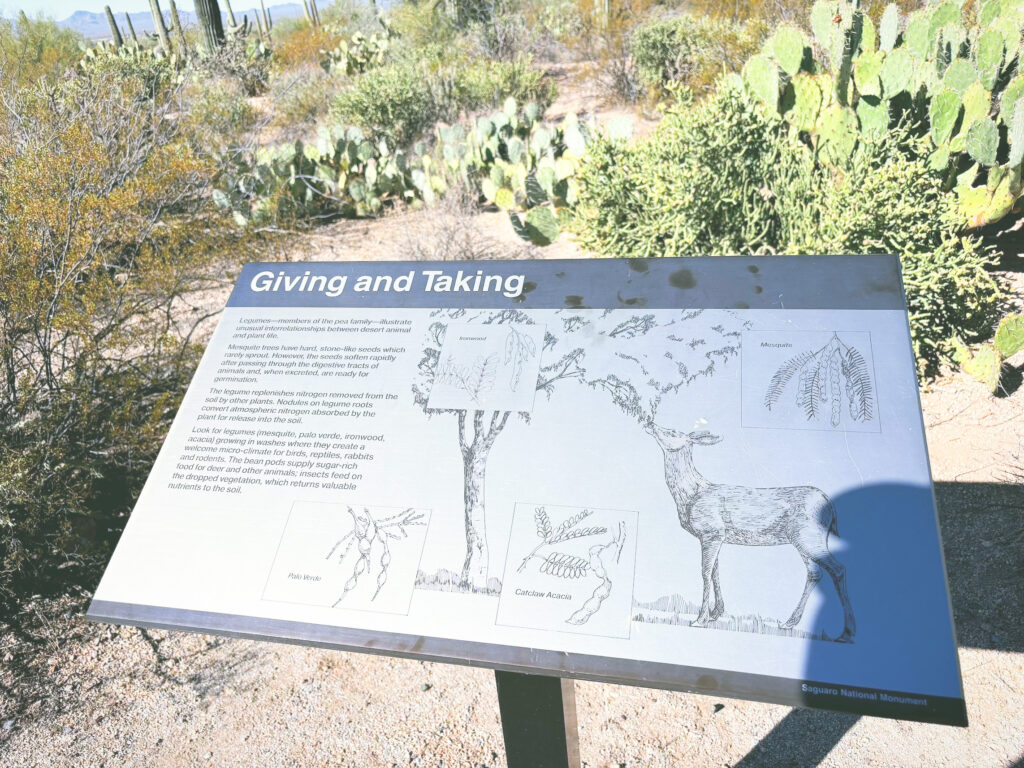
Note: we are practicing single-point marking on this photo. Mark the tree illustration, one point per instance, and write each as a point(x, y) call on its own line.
point(680, 347)
point(477, 428)
point(819, 374)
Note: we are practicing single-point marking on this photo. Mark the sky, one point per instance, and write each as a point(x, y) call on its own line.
point(61, 9)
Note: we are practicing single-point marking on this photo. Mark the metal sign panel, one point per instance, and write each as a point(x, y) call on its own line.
point(699, 474)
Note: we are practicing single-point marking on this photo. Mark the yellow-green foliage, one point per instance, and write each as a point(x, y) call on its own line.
point(217, 113)
point(727, 176)
point(34, 48)
point(693, 50)
point(102, 231)
point(402, 101)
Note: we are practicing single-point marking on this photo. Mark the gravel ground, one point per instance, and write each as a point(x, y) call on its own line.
point(116, 696)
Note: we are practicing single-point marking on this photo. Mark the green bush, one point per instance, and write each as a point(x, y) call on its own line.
point(703, 183)
point(149, 68)
point(477, 84)
point(727, 176)
point(34, 48)
point(104, 230)
point(394, 102)
point(218, 113)
point(691, 50)
point(402, 101)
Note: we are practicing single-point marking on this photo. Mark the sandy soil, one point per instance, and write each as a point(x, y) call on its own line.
point(112, 696)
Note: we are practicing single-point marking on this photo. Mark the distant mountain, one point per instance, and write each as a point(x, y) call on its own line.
point(94, 25)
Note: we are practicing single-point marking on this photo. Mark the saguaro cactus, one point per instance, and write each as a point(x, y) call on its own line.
point(131, 28)
point(208, 13)
point(161, 28)
point(179, 31)
point(115, 33)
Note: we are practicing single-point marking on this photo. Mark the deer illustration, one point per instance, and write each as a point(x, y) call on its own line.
point(736, 514)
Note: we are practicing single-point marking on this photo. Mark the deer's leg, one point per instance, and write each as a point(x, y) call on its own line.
point(813, 577)
point(709, 548)
point(719, 608)
point(838, 573)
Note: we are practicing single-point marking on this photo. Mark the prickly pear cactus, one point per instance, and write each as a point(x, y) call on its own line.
point(954, 69)
point(517, 163)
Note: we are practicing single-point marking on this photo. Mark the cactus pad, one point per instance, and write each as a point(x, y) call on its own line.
point(865, 73)
point(762, 78)
point(959, 75)
point(1009, 338)
point(837, 130)
point(788, 46)
point(873, 114)
point(888, 28)
point(990, 56)
point(897, 72)
point(983, 141)
point(943, 112)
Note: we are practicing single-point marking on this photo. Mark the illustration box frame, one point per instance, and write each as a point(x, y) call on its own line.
point(700, 474)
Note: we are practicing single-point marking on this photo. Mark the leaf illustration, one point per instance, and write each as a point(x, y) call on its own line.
point(820, 375)
point(481, 379)
point(570, 522)
point(579, 533)
point(519, 348)
point(543, 523)
point(782, 376)
point(858, 385)
point(564, 566)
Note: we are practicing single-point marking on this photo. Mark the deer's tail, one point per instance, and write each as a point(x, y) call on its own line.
point(833, 524)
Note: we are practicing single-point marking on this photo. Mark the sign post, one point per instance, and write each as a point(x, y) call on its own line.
point(699, 474)
point(538, 720)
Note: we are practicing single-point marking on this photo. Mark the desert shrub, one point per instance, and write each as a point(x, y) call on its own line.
point(462, 85)
point(402, 101)
point(422, 24)
point(34, 48)
point(771, 12)
point(103, 229)
point(500, 31)
point(217, 113)
point(246, 59)
point(692, 50)
point(701, 184)
point(153, 72)
point(727, 176)
point(394, 102)
point(302, 96)
point(302, 44)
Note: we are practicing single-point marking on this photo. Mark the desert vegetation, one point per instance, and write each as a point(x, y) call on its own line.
point(137, 173)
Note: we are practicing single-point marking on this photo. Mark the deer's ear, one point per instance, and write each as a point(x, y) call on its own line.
point(704, 438)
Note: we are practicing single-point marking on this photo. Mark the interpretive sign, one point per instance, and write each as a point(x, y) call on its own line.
point(699, 474)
